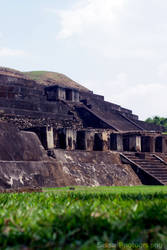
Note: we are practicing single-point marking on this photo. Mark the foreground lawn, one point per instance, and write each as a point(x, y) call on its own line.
point(85, 218)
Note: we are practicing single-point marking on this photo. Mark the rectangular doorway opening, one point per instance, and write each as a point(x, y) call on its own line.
point(125, 143)
point(68, 94)
point(81, 140)
point(145, 144)
point(113, 142)
point(61, 140)
point(158, 144)
point(98, 142)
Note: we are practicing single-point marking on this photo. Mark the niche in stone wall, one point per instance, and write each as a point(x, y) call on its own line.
point(158, 144)
point(113, 142)
point(145, 143)
point(52, 93)
point(61, 143)
point(98, 142)
point(68, 94)
point(125, 143)
point(81, 140)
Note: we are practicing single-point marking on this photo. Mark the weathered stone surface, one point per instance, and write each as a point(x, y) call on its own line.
point(26, 173)
point(19, 145)
point(69, 168)
point(95, 168)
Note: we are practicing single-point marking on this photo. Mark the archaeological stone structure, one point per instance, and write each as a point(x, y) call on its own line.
point(60, 134)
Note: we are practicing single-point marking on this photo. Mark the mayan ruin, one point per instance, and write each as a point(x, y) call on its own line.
point(60, 133)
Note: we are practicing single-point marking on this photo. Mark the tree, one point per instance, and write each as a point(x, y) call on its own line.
point(161, 121)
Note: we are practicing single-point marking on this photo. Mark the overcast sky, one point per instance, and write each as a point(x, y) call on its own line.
point(117, 48)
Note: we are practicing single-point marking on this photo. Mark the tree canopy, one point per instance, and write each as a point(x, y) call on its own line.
point(161, 121)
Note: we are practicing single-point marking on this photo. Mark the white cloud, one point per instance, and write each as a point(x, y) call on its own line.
point(1, 35)
point(144, 99)
point(162, 71)
point(88, 14)
point(124, 48)
point(113, 28)
point(5, 52)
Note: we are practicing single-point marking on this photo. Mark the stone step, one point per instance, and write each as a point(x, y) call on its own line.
point(159, 173)
point(162, 179)
point(161, 176)
point(151, 158)
point(150, 164)
point(156, 175)
point(144, 160)
point(156, 170)
point(146, 163)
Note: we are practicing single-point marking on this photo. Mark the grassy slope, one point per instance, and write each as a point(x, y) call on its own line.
point(85, 218)
point(50, 78)
point(45, 78)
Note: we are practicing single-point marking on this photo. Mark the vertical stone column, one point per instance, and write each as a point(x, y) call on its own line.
point(70, 139)
point(106, 140)
point(164, 144)
point(135, 143)
point(77, 97)
point(49, 137)
point(73, 96)
point(89, 140)
point(119, 142)
point(61, 94)
point(152, 144)
point(55, 138)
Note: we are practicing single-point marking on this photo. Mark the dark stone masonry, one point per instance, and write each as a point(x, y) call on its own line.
point(59, 135)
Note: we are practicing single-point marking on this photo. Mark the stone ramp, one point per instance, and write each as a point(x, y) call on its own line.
point(115, 120)
point(148, 165)
point(149, 126)
point(92, 119)
point(122, 122)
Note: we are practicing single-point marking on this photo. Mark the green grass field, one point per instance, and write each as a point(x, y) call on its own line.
point(85, 218)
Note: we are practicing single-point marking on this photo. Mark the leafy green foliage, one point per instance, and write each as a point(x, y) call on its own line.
point(84, 218)
point(161, 121)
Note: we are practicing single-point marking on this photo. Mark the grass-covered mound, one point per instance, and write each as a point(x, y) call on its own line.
point(85, 218)
point(53, 78)
point(46, 78)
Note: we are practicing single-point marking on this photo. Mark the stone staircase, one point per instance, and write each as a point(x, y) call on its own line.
point(150, 163)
